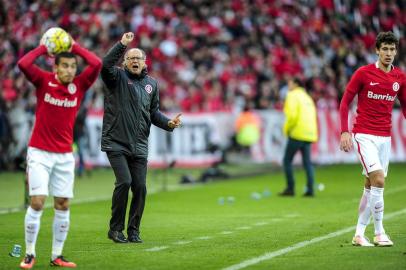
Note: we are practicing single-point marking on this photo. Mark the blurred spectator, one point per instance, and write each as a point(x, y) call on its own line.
point(247, 127)
point(301, 130)
point(5, 136)
point(79, 137)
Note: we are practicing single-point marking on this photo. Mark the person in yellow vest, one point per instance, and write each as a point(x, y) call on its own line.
point(301, 129)
point(248, 127)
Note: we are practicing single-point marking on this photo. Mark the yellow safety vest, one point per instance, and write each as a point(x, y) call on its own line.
point(301, 116)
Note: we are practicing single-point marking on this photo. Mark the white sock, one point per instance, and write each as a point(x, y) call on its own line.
point(32, 224)
point(364, 212)
point(60, 232)
point(377, 207)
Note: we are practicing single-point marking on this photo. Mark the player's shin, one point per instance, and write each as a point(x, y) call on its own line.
point(60, 232)
point(364, 212)
point(32, 224)
point(377, 208)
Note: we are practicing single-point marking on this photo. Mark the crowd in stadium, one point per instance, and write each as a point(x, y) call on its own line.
point(206, 55)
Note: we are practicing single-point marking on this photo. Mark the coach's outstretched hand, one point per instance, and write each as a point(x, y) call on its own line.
point(175, 122)
point(346, 141)
point(127, 38)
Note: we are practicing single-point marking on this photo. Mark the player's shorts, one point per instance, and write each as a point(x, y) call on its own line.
point(50, 173)
point(373, 152)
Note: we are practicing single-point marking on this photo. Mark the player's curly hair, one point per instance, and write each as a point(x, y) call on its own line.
point(386, 37)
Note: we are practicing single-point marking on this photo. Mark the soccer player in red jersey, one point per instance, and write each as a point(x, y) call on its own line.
point(50, 162)
point(377, 86)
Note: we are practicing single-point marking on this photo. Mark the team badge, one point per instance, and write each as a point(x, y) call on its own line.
point(148, 88)
point(72, 88)
point(395, 86)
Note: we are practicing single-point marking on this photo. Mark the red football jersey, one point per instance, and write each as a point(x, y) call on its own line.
point(377, 92)
point(57, 104)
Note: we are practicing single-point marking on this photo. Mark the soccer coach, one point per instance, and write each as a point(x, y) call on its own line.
point(131, 104)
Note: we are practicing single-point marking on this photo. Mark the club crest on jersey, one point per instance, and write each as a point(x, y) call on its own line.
point(148, 88)
point(72, 88)
point(395, 86)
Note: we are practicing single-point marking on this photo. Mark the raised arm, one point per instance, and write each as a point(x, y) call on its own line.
point(27, 66)
point(89, 75)
point(109, 72)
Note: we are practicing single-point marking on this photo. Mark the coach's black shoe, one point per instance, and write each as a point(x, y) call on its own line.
point(117, 236)
point(308, 194)
point(287, 193)
point(134, 238)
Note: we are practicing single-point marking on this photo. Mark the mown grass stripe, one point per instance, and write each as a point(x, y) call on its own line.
point(270, 255)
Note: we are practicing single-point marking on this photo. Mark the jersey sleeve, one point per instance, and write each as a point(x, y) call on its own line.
point(91, 72)
point(291, 110)
point(157, 117)
point(402, 96)
point(26, 64)
point(109, 72)
point(352, 89)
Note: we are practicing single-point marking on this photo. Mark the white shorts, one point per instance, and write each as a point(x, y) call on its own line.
point(373, 152)
point(53, 171)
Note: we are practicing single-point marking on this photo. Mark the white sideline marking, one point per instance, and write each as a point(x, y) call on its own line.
point(182, 242)
point(97, 199)
point(204, 237)
point(226, 232)
point(270, 255)
point(277, 219)
point(292, 215)
point(390, 191)
point(156, 248)
point(50, 203)
point(261, 223)
point(243, 228)
point(11, 210)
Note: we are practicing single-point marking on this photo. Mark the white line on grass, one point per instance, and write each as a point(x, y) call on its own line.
point(182, 242)
point(243, 228)
point(73, 201)
point(270, 255)
point(204, 237)
point(263, 223)
point(292, 215)
point(226, 232)
point(391, 191)
point(11, 210)
point(156, 248)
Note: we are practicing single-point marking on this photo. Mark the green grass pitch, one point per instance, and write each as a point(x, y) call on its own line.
point(192, 228)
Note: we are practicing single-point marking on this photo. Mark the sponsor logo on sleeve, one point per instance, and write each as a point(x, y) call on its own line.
point(148, 88)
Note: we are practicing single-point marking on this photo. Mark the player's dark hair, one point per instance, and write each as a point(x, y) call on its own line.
point(63, 55)
point(386, 37)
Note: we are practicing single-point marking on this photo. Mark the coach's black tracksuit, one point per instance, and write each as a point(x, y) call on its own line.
point(131, 104)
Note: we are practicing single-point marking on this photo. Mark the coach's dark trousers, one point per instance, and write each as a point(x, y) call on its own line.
point(291, 148)
point(130, 172)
